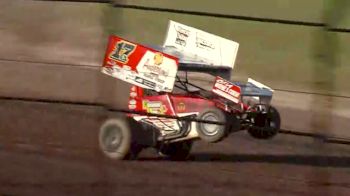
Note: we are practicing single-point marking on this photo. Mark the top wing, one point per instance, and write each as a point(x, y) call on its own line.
point(193, 63)
point(139, 65)
point(212, 49)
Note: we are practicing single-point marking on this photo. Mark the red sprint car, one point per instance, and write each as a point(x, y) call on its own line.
point(169, 113)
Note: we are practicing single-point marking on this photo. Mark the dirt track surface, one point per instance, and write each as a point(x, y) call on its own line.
point(49, 149)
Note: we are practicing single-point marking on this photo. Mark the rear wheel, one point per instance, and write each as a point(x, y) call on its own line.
point(266, 125)
point(212, 132)
point(115, 139)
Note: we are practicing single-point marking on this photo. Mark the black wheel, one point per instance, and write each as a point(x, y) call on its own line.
point(115, 139)
point(212, 132)
point(266, 125)
point(177, 151)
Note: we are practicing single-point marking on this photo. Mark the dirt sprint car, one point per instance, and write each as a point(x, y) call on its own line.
point(167, 112)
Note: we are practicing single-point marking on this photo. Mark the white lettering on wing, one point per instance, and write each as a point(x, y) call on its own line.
point(225, 87)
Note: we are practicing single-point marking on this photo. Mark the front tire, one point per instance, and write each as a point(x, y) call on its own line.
point(268, 127)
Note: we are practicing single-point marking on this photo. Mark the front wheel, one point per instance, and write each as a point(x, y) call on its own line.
point(266, 126)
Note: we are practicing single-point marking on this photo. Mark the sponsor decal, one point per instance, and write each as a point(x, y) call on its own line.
point(122, 50)
point(111, 70)
point(145, 82)
point(155, 69)
point(132, 104)
point(127, 68)
point(130, 76)
point(132, 107)
point(203, 43)
point(182, 35)
point(227, 90)
point(181, 107)
point(108, 70)
point(133, 94)
point(139, 80)
point(133, 88)
point(154, 107)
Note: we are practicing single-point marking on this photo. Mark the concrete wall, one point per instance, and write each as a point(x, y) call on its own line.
point(299, 10)
point(52, 32)
point(69, 40)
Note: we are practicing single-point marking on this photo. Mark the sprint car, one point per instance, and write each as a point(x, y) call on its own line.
point(166, 111)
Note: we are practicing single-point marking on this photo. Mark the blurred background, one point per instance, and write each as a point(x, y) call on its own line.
point(52, 50)
point(298, 48)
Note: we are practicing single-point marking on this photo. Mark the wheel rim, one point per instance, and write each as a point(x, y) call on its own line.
point(210, 129)
point(112, 138)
